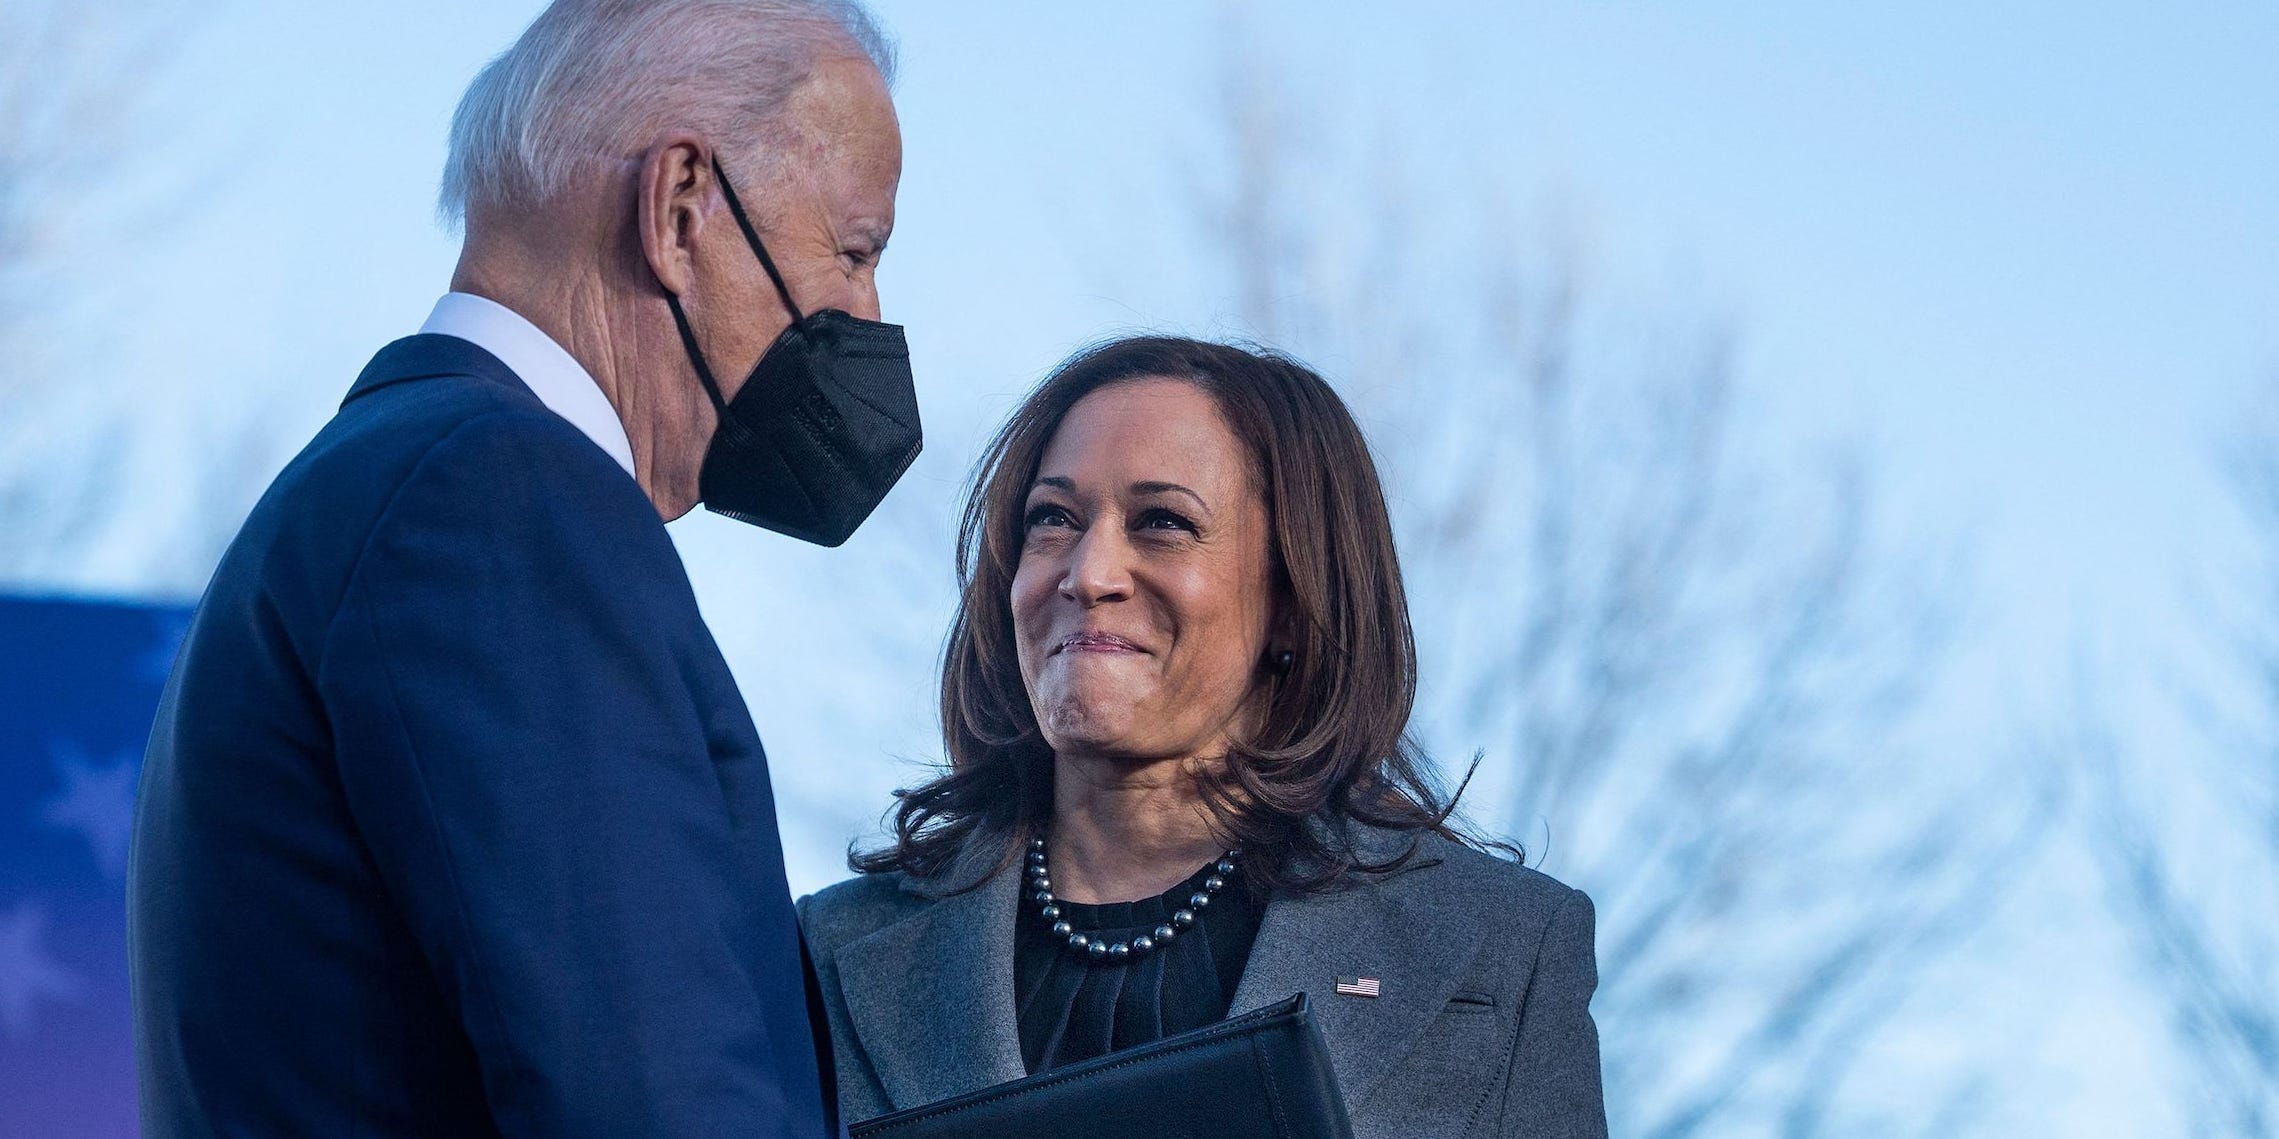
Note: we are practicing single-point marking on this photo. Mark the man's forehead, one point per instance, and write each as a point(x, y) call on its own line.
point(845, 121)
point(861, 196)
point(845, 98)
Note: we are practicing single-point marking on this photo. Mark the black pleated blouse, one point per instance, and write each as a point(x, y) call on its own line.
point(1072, 1009)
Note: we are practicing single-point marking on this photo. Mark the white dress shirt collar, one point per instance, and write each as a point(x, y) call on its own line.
point(545, 367)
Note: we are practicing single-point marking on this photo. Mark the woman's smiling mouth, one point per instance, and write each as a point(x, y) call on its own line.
point(1096, 643)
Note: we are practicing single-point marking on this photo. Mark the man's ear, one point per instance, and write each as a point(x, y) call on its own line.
point(675, 188)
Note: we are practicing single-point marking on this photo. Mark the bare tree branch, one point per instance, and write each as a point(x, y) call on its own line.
point(2213, 961)
point(73, 79)
point(1699, 659)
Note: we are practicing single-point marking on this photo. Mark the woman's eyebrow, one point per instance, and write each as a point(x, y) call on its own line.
point(1057, 482)
point(1168, 488)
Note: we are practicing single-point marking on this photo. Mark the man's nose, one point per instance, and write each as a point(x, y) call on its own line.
point(1098, 568)
point(860, 298)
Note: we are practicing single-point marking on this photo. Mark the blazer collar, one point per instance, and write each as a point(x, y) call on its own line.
point(428, 354)
point(931, 996)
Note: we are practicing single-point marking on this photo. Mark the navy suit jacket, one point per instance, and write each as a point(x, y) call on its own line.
point(453, 821)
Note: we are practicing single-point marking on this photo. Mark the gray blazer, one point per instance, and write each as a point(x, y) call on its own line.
point(1483, 1028)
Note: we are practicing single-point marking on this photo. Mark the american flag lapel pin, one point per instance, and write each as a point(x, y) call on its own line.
point(1358, 987)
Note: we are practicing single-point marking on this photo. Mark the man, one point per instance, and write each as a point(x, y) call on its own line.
point(453, 822)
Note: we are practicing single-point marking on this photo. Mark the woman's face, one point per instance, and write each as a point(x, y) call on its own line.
point(1144, 597)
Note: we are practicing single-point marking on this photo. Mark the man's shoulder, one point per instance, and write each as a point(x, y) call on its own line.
point(455, 417)
point(523, 495)
point(481, 440)
point(438, 451)
point(512, 446)
point(854, 909)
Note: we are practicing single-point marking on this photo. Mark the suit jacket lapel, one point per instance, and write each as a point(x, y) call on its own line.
point(931, 996)
point(1398, 929)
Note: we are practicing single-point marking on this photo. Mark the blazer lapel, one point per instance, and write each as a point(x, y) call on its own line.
point(1397, 929)
point(931, 996)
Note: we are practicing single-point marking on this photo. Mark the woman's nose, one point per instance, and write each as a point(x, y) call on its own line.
point(1097, 568)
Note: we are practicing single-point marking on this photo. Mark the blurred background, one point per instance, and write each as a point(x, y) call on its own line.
point(1834, 451)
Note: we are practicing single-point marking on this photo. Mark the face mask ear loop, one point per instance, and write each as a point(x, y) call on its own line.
point(696, 356)
point(751, 235)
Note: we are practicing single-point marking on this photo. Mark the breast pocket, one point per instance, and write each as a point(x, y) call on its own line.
point(1457, 1064)
point(1472, 1003)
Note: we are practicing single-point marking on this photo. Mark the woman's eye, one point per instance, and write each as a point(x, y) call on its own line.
point(1160, 519)
point(1047, 515)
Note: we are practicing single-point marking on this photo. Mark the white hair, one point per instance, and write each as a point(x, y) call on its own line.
point(600, 78)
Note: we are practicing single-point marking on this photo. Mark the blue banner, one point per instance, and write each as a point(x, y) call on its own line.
point(79, 682)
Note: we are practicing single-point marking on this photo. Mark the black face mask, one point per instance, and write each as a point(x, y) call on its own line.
point(826, 423)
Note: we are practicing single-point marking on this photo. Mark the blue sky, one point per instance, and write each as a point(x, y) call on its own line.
point(2030, 257)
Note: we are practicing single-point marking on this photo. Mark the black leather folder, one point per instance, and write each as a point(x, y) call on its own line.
point(1261, 1075)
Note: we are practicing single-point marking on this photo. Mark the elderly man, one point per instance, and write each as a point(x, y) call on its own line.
point(453, 821)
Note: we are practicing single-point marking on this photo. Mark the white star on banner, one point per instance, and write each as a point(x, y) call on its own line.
point(98, 802)
point(27, 974)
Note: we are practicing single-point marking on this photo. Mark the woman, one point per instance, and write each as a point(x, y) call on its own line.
point(1175, 701)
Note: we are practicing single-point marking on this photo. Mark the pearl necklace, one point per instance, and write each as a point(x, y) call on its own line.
point(1099, 949)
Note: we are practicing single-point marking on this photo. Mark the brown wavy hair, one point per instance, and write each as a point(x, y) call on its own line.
point(1333, 749)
